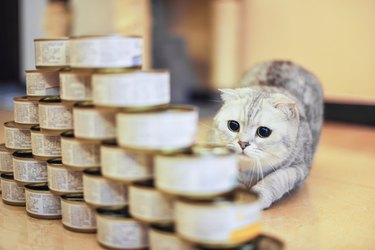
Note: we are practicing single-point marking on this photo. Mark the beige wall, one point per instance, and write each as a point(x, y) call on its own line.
point(333, 38)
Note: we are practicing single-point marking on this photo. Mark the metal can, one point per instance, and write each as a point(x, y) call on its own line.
point(17, 137)
point(76, 85)
point(6, 159)
point(51, 52)
point(94, 123)
point(100, 192)
point(106, 51)
point(172, 128)
point(163, 237)
point(149, 205)
point(79, 154)
point(121, 165)
point(116, 229)
point(54, 115)
point(41, 203)
point(131, 89)
point(62, 180)
point(25, 110)
point(77, 216)
point(204, 171)
point(42, 83)
point(27, 169)
point(12, 194)
point(45, 145)
point(224, 221)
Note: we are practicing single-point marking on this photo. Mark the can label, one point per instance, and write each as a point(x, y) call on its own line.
point(137, 89)
point(42, 203)
point(150, 205)
point(80, 154)
point(11, 192)
point(57, 117)
point(17, 138)
point(79, 216)
point(63, 180)
point(76, 86)
point(45, 145)
point(163, 241)
point(30, 171)
point(107, 52)
point(196, 175)
point(94, 124)
point(141, 130)
point(122, 234)
point(42, 83)
point(237, 222)
point(51, 53)
point(124, 165)
point(6, 160)
point(100, 191)
point(26, 112)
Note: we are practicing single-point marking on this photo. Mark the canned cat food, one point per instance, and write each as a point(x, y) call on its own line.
point(25, 110)
point(77, 216)
point(42, 82)
point(12, 194)
point(204, 171)
point(54, 115)
point(262, 242)
point(106, 52)
point(120, 165)
point(224, 221)
point(99, 192)
point(149, 205)
point(76, 85)
point(163, 237)
point(6, 159)
point(51, 52)
point(131, 89)
point(157, 129)
point(27, 169)
point(45, 145)
point(79, 154)
point(62, 180)
point(41, 203)
point(95, 123)
point(17, 137)
point(118, 230)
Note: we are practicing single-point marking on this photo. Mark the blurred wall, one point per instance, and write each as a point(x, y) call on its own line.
point(333, 38)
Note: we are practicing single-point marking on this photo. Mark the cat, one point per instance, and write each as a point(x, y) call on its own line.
point(273, 121)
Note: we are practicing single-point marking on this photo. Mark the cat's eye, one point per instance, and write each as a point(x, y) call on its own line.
point(233, 126)
point(264, 132)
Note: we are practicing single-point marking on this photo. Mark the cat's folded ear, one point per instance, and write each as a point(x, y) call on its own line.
point(228, 94)
point(286, 105)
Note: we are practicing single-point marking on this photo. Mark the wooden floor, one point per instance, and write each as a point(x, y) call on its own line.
point(335, 209)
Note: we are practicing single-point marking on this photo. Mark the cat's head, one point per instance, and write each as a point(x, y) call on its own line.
point(259, 125)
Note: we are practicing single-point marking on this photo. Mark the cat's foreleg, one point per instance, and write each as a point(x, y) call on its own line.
point(272, 187)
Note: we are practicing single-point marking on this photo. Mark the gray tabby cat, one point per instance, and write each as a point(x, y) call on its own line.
point(273, 122)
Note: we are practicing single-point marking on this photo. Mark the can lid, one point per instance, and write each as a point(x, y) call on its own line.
point(51, 39)
point(73, 197)
point(8, 176)
point(104, 36)
point(44, 70)
point(24, 99)
point(166, 108)
point(164, 228)
point(115, 211)
point(35, 128)
point(127, 71)
point(23, 154)
point(202, 150)
point(50, 99)
point(93, 171)
point(55, 162)
point(41, 187)
point(111, 142)
point(84, 104)
point(148, 184)
point(68, 134)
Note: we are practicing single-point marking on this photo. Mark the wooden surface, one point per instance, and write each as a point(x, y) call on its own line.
point(335, 209)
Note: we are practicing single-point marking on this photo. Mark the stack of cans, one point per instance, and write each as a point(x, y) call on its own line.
point(97, 144)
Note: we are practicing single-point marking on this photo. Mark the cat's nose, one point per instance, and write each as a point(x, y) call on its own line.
point(243, 144)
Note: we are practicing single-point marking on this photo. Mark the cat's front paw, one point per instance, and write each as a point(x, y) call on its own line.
point(265, 196)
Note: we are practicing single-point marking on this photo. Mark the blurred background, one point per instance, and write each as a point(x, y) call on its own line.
point(209, 44)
